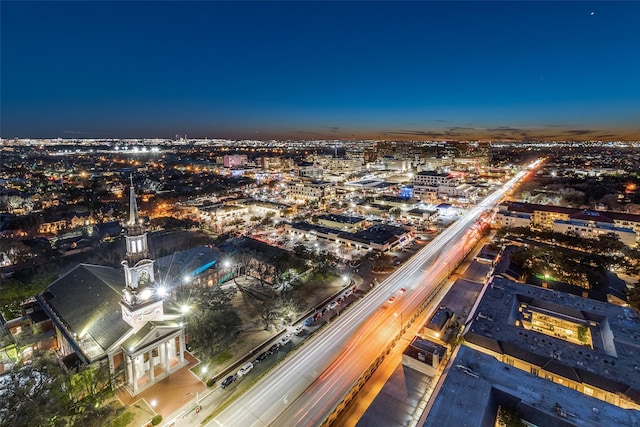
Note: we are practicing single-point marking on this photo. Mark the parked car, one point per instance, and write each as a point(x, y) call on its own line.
point(298, 329)
point(245, 369)
point(309, 321)
point(285, 339)
point(333, 305)
point(227, 381)
point(273, 348)
point(262, 356)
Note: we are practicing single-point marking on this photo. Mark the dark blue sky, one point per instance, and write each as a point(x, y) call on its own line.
point(302, 69)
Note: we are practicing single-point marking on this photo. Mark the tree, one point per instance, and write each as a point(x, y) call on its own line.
point(608, 243)
point(610, 201)
point(31, 394)
point(289, 308)
point(300, 250)
point(88, 389)
point(211, 323)
point(582, 333)
point(91, 386)
point(38, 393)
point(634, 297)
point(210, 298)
point(15, 291)
point(11, 202)
point(509, 417)
point(210, 331)
point(284, 281)
point(266, 221)
point(268, 314)
point(280, 310)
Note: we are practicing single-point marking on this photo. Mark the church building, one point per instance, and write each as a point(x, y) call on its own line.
point(118, 316)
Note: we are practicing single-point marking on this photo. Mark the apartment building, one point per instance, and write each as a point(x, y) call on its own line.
point(311, 191)
point(584, 222)
point(585, 345)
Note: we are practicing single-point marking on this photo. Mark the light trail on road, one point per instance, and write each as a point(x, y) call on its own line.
point(306, 387)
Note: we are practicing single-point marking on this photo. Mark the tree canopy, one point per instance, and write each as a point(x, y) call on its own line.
point(38, 393)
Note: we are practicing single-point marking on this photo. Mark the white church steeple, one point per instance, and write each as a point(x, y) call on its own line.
point(137, 248)
point(139, 293)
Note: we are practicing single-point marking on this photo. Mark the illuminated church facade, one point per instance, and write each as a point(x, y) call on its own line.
point(118, 315)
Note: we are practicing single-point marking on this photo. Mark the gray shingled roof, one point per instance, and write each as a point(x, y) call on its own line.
point(87, 298)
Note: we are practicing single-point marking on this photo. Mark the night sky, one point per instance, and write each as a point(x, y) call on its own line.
point(414, 70)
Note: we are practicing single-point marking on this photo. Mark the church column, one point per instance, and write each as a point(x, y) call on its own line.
point(135, 374)
point(163, 356)
point(129, 363)
point(152, 374)
point(167, 354)
point(181, 349)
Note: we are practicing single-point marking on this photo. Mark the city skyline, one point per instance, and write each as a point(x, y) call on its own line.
point(379, 70)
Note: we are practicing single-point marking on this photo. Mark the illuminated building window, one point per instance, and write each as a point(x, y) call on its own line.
point(588, 391)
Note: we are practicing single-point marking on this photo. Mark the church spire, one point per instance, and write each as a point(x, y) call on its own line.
point(138, 267)
point(137, 248)
point(133, 206)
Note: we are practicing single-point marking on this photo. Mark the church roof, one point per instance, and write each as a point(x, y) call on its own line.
point(172, 269)
point(86, 303)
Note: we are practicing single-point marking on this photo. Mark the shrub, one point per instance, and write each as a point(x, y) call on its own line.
point(211, 382)
point(156, 420)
